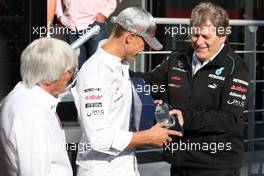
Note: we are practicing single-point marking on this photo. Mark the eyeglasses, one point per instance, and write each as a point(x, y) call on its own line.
point(73, 73)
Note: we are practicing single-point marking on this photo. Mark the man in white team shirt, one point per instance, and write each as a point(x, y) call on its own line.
point(103, 96)
point(32, 141)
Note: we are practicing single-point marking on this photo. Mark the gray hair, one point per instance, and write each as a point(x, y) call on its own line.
point(207, 11)
point(44, 60)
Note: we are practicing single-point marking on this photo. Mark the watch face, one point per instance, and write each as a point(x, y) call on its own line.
point(162, 114)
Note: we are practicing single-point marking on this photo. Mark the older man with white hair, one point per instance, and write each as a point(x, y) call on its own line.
point(31, 133)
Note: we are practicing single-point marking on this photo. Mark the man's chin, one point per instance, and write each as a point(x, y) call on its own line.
point(132, 58)
point(201, 57)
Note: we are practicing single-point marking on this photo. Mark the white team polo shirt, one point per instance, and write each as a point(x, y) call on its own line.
point(103, 97)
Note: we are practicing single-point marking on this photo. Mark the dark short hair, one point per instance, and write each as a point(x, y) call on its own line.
point(118, 31)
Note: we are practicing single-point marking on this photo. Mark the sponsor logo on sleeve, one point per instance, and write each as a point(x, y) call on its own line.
point(240, 81)
point(176, 78)
point(180, 64)
point(117, 90)
point(175, 85)
point(242, 96)
point(118, 98)
point(239, 88)
point(236, 103)
point(179, 69)
point(117, 93)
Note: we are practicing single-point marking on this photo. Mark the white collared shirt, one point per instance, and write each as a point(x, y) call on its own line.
point(196, 63)
point(33, 140)
point(103, 97)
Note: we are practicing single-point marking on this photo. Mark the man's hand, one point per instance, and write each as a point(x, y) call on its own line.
point(160, 102)
point(158, 135)
point(100, 18)
point(178, 114)
point(161, 135)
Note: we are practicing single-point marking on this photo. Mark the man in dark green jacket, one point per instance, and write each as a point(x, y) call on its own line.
point(209, 84)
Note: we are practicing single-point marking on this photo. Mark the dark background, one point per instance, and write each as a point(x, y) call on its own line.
point(17, 20)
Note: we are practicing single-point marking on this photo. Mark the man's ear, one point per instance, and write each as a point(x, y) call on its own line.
point(129, 38)
point(223, 39)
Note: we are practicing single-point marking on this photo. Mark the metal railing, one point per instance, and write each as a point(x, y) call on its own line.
point(232, 22)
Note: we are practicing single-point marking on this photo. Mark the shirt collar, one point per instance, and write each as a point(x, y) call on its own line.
point(196, 61)
point(110, 60)
point(48, 100)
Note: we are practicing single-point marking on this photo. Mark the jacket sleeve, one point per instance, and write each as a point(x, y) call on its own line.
point(159, 74)
point(158, 77)
point(230, 113)
point(109, 7)
point(93, 100)
point(59, 11)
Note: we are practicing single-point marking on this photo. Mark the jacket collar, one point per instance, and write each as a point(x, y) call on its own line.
point(220, 59)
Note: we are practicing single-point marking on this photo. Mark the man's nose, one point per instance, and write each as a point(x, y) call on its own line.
point(199, 40)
